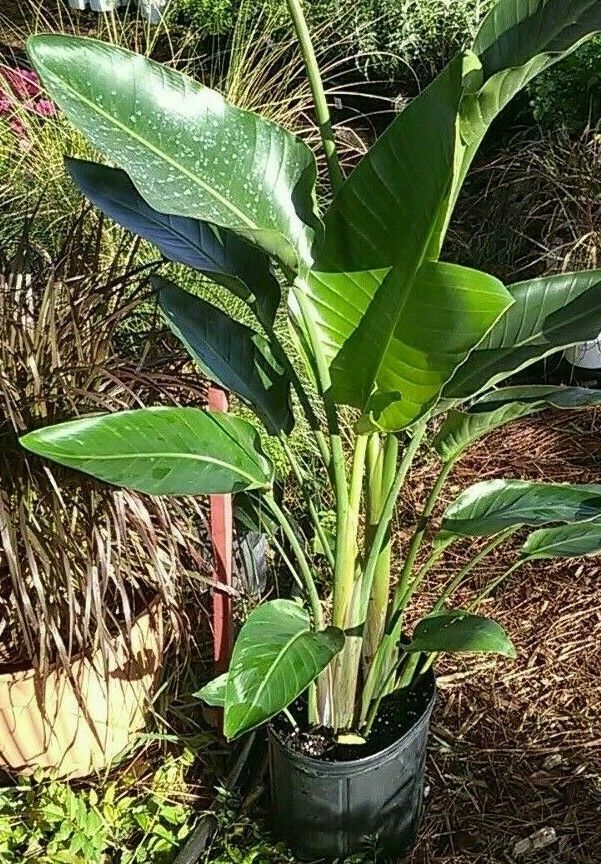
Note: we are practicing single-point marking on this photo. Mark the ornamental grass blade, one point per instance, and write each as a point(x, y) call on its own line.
point(217, 253)
point(493, 505)
point(460, 429)
point(564, 541)
point(160, 451)
point(188, 151)
point(459, 632)
point(229, 353)
point(275, 658)
point(549, 314)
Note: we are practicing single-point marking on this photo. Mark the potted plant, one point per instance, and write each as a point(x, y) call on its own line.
point(414, 346)
point(87, 573)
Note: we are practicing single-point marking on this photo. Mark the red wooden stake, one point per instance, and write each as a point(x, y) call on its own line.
point(221, 539)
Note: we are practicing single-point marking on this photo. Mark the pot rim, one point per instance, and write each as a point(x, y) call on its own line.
point(24, 673)
point(363, 762)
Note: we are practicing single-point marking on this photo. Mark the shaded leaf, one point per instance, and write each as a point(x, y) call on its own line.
point(160, 451)
point(213, 693)
point(493, 410)
point(229, 353)
point(564, 541)
point(493, 505)
point(275, 658)
point(458, 632)
point(187, 150)
point(219, 254)
point(549, 314)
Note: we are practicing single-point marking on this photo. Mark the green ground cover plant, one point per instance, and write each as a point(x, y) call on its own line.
point(127, 820)
point(384, 326)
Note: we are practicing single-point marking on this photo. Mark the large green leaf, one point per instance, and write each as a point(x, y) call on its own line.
point(564, 541)
point(458, 632)
point(493, 505)
point(233, 355)
point(213, 693)
point(188, 151)
point(275, 658)
point(493, 410)
point(517, 41)
point(516, 30)
point(371, 269)
point(444, 316)
point(550, 313)
point(218, 253)
point(160, 451)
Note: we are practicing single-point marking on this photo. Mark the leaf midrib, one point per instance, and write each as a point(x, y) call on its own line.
point(281, 653)
point(161, 153)
point(162, 455)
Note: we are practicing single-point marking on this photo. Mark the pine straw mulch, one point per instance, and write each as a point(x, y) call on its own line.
point(516, 746)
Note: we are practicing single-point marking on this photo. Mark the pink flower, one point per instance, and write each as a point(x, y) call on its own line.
point(24, 83)
point(6, 104)
point(18, 128)
point(44, 108)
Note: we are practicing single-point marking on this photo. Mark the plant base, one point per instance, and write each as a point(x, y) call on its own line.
point(332, 809)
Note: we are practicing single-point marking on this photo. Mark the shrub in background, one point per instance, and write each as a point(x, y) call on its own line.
point(569, 94)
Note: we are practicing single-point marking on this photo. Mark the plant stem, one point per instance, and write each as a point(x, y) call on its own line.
point(322, 111)
point(375, 705)
point(382, 461)
point(343, 585)
point(300, 479)
point(381, 662)
point(387, 513)
point(300, 556)
point(460, 576)
point(488, 589)
point(422, 525)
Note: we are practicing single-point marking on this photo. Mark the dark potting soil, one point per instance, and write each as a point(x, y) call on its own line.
point(398, 713)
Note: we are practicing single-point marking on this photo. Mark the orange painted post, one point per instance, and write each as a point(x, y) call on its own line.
point(221, 527)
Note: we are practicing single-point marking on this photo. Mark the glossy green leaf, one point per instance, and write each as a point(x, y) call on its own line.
point(499, 407)
point(229, 353)
point(213, 693)
point(218, 253)
point(549, 314)
point(459, 632)
point(517, 41)
point(160, 451)
point(564, 541)
point(515, 30)
point(378, 229)
point(493, 505)
point(275, 658)
point(188, 151)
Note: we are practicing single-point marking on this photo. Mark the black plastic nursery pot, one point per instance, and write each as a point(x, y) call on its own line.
point(331, 808)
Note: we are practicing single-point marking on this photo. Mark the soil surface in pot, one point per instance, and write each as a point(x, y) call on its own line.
point(398, 713)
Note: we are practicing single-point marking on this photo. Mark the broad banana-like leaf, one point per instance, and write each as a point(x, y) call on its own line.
point(493, 505)
point(499, 407)
point(445, 314)
point(458, 632)
point(229, 353)
point(549, 314)
point(188, 151)
point(275, 658)
point(218, 253)
point(516, 41)
point(564, 541)
point(377, 232)
point(213, 693)
point(160, 451)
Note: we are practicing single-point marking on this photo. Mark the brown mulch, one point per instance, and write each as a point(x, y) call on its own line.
point(516, 746)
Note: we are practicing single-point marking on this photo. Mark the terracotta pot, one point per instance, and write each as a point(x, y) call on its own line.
point(78, 722)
